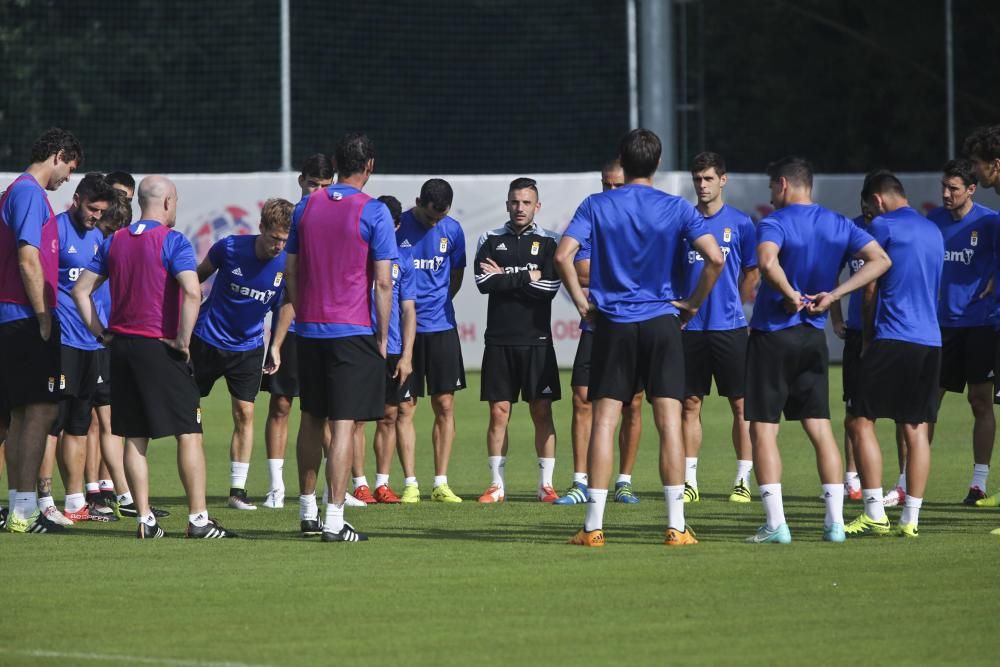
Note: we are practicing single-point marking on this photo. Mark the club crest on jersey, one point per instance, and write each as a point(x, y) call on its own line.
point(336, 196)
point(974, 239)
point(535, 245)
point(395, 271)
point(444, 245)
point(277, 278)
point(52, 384)
point(727, 235)
point(197, 415)
point(62, 382)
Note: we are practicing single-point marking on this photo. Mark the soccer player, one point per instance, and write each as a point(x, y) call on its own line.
point(123, 182)
point(398, 368)
point(514, 266)
point(436, 243)
point(715, 338)
point(964, 310)
point(612, 177)
point(228, 338)
point(82, 357)
point(155, 297)
point(29, 332)
point(901, 366)
point(283, 384)
point(340, 240)
point(635, 234)
point(800, 249)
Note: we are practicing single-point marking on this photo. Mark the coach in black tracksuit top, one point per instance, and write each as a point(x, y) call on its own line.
point(515, 267)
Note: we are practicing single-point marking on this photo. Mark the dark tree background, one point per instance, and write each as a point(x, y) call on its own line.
point(476, 86)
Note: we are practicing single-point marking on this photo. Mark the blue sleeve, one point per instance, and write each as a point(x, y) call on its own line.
point(456, 258)
point(769, 229)
point(292, 245)
point(583, 253)
point(217, 253)
point(377, 231)
point(27, 210)
point(178, 255)
point(859, 238)
point(99, 264)
point(693, 223)
point(748, 244)
point(580, 227)
point(407, 279)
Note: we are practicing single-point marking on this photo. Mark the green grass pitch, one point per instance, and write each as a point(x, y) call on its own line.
point(471, 584)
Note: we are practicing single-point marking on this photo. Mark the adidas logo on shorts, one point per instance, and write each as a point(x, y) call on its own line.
point(405, 244)
point(547, 390)
point(237, 272)
point(100, 379)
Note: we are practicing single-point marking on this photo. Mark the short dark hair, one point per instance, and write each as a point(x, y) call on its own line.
point(437, 194)
point(881, 182)
point(523, 184)
point(708, 160)
point(795, 170)
point(960, 168)
point(983, 143)
point(52, 142)
point(120, 178)
point(639, 153)
point(94, 187)
point(318, 166)
point(394, 206)
point(613, 164)
point(352, 154)
point(118, 212)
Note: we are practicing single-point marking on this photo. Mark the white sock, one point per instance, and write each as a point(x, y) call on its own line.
point(852, 480)
point(901, 482)
point(198, 519)
point(743, 469)
point(980, 472)
point(126, 498)
point(25, 503)
point(11, 497)
point(873, 504)
point(497, 467)
point(545, 469)
point(74, 502)
point(410, 481)
point(624, 478)
point(360, 481)
point(674, 495)
point(334, 518)
point(911, 510)
point(770, 496)
point(238, 475)
point(150, 520)
point(326, 495)
point(308, 511)
point(275, 467)
point(580, 478)
point(381, 480)
point(691, 471)
point(440, 480)
point(105, 485)
point(833, 494)
point(45, 502)
point(92, 487)
point(595, 510)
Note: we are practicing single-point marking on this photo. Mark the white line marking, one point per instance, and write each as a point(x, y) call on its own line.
point(134, 659)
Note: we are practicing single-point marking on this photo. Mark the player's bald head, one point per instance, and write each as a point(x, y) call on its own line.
point(155, 188)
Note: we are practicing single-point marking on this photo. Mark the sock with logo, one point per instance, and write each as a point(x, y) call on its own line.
point(497, 466)
point(873, 504)
point(770, 497)
point(674, 496)
point(691, 471)
point(546, 467)
point(833, 494)
point(595, 510)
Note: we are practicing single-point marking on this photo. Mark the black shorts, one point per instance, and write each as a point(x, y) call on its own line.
point(850, 366)
point(29, 366)
point(80, 372)
point(899, 381)
point(242, 370)
point(437, 363)
point(286, 381)
point(965, 357)
point(396, 393)
point(581, 362)
point(787, 370)
point(718, 354)
point(342, 378)
point(102, 392)
point(629, 356)
point(154, 394)
point(530, 371)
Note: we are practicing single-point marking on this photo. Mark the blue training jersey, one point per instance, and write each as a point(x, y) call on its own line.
point(968, 266)
point(77, 248)
point(245, 289)
point(436, 252)
point(723, 309)
point(855, 304)
point(375, 227)
point(907, 292)
point(25, 211)
point(583, 255)
point(636, 235)
point(813, 244)
point(403, 289)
